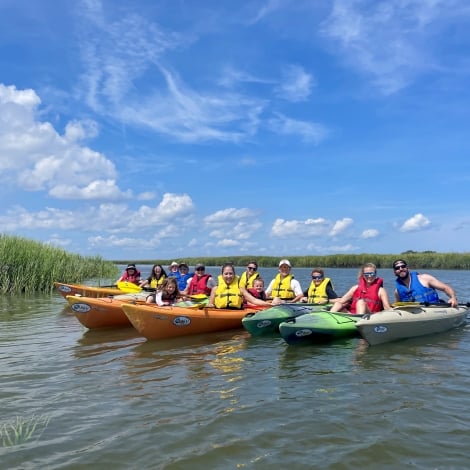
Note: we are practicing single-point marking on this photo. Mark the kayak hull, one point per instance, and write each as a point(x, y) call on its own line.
point(154, 322)
point(318, 326)
point(409, 322)
point(101, 312)
point(267, 321)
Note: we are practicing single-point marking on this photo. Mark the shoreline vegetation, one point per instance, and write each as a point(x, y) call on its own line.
point(416, 260)
point(27, 266)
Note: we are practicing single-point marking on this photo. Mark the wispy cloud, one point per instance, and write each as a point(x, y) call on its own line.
point(296, 84)
point(309, 132)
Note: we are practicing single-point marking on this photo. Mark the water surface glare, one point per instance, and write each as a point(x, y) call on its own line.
point(229, 400)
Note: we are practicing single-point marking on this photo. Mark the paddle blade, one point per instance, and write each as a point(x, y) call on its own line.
point(128, 287)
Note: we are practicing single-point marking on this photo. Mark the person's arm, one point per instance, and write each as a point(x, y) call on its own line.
point(397, 296)
point(341, 302)
point(212, 297)
point(295, 286)
point(442, 286)
point(331, 294)
point(144, 282)
point(269, 290)
point(158, 299)
point(384, 298)
point(253, 300)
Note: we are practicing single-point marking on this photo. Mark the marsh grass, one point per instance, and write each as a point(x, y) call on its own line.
point(29, 266)
point(23, 430)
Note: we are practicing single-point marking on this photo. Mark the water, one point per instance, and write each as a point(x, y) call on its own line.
point(228, 400)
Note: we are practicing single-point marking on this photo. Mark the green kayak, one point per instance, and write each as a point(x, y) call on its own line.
point(319, 326)
point(268, 321)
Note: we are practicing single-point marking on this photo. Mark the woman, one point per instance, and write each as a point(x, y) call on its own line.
point(130, 274)
point(168, 293)
point(156, 278)
point(320, 291)
point(228, 294)
point(367, 296)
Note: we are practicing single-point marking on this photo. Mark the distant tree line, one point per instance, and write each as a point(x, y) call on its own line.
point(418, 260)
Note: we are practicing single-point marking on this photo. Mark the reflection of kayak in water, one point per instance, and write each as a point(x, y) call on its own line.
point(268, 321)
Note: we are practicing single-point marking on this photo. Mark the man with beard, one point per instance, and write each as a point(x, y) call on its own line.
point(414, 287)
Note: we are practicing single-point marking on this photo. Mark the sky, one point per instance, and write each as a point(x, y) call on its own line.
point(159, 129)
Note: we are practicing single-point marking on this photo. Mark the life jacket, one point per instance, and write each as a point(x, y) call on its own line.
point(247, 282)
point(256, 294)
point(316, 294)
point(198, 285)
point(134, 278)
point(282, 287)
point(167, 297)
point(155, 283)
point(368, 293)
point(228, 295)
point(416, 292)
point(182, 280)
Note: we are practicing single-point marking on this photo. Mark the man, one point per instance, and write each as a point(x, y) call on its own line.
point(284, 286)
point(414, 287)
point(182, 276)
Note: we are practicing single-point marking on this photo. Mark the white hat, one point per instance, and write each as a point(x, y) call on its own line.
point(174, 263)
point(284, 261)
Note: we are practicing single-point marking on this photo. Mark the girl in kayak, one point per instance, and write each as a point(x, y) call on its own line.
point(367, 296)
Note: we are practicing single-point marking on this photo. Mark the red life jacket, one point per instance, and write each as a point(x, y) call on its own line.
point(369, 293)
point(257, 295)
point(198, 285)
point(135, 278)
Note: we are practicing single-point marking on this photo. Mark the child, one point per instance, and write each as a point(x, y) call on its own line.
point(167, 295)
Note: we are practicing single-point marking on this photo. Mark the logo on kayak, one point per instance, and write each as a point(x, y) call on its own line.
point(65, 289)
point(182, 321)
point(81, 308)
point(380, 329)
point(303, 332)
point(263, 323)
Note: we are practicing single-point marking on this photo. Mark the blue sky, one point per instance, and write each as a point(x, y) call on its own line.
point(164, 129)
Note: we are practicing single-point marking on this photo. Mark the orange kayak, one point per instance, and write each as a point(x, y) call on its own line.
point(154, 322)
point(101, 312)
point(87, 291)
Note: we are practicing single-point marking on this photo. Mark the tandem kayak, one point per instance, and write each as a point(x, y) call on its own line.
point(319, 326)
point(267, 321)
point(409, 321)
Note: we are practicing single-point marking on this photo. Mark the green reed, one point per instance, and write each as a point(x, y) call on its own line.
point(29, 266)
point(416, 260)
point(22, 430)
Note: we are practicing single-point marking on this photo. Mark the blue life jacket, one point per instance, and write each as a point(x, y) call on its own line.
point(416, 292)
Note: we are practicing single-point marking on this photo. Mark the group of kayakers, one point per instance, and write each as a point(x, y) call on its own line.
point(229, 290)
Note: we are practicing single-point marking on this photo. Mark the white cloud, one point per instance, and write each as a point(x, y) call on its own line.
point(340, 226)
point(229, 215)
point(37, 158)
point(296, 84)
point(369, 233)
point(417, 222)
point(307, 131)
point(301, 228)
point(389, 41)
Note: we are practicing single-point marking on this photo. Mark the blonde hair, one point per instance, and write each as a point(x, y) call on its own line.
point(366, 265)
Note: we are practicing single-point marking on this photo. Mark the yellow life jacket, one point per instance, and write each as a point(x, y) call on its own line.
point(155, 283)
point(318, 293)
point(228, 296)
point(247, 283)
point(282, 288)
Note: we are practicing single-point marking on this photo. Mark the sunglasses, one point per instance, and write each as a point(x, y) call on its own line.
point(317, 278)
point(200, 269)
point(369, 274)
point(252, 268)
point(400, 266)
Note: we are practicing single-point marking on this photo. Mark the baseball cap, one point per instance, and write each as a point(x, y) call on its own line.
point(284, 261)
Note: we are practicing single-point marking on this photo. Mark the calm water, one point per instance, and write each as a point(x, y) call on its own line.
point(227, 400)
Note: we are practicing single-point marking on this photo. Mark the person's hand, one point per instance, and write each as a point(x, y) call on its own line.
point(277, 301)
point(453, 302)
